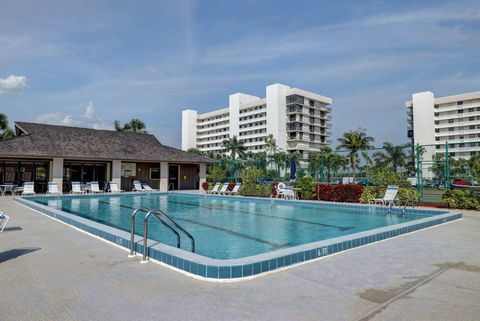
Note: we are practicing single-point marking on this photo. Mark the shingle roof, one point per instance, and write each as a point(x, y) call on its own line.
point(41, 140)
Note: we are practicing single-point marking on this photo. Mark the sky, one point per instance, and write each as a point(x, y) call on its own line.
point(88, 63)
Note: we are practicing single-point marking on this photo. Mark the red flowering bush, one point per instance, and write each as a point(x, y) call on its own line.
point(205, 186)
point(274, 190)
point(349, 193)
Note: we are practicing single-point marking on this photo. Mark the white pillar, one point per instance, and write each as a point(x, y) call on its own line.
point(57, 172)
point(117, 172)
point(163, 177)
point(203, 175)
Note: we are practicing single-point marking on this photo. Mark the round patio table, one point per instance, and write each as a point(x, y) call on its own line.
point(7, 188)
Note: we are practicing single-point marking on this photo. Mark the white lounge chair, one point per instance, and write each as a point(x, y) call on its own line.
point(77, 188)
point(94, 188)
point(388, 199)
point(113, 188)
point(285, 192)
point(28, 189)
point(53, 189)
point(137, 187)
point(214, 189)
point(3, 221)
point(223, 189)
point(235, 189)
point(148, 189)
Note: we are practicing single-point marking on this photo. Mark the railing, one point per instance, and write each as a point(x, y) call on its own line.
point(172, 185)
point(132, 228)
point(159, 214)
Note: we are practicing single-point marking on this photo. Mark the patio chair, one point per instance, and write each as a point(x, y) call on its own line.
point(28, 189)
point(3, 221)
point(137, 187)
point(94, 188)
point(148, 189)
point(53, 189)
point(77, 188)
point(223, 189)
point(285, 192)
point(214, 189)
point(388, 199)
point(113, 188)
point(235, 189)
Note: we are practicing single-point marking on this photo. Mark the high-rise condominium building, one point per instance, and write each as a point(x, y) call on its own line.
point(298, 120)
point(452, 120)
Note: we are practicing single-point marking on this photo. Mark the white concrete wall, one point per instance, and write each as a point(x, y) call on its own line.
point(203, 175)
point(277, 113)
point(189, 129)
point(117, 173)
point(424, 125)
point(234, 102)
point(163, 176)
point(57, 172)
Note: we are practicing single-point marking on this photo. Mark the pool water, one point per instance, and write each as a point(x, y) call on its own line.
point(229, 227)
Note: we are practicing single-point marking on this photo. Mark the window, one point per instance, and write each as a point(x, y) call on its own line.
point(459, 103)
point(460, 111)
point(435, 106)
point(437, 122)
point(154, 173)
point(437, 114)
point(451, 121)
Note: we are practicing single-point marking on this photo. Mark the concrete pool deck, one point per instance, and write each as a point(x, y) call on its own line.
point(50, 271)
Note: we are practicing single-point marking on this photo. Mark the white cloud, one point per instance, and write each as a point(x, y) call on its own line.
point(90, 110)
point(89, 119)
point(12, 83)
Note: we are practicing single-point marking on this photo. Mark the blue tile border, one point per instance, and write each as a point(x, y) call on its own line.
point(238, 269)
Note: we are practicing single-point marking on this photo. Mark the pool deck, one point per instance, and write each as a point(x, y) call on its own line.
point(50, 271)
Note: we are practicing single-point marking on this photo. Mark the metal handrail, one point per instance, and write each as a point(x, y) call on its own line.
point(168, 188)
point(132, 228)
point(156, 214)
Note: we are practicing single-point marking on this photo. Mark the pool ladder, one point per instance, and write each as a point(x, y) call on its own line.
point(163, 218)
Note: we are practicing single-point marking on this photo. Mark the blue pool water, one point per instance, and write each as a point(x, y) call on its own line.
point(227, 228)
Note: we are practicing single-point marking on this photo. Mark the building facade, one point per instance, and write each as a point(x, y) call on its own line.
point(43, 153)
point(451, 122)
point(299, 121)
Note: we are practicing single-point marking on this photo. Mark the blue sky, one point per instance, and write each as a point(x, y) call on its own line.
point(87, 63)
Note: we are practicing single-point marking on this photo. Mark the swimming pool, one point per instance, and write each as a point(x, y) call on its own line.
point(237, 231)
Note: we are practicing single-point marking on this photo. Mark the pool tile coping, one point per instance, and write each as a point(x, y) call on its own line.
point(210, 269)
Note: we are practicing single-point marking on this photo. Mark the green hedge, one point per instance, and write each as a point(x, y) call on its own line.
point(404, 193)
point(462, 199)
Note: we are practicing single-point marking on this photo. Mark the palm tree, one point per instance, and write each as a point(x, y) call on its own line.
point(337, 161)
point(271, 144)
point(5, 131)
point(135, 125)
point(355, 141)
point(234, 146)
point(394, 155)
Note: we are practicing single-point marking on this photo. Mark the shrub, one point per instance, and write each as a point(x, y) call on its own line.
point(249, 185)
point(403, 194)
point(206, 186)
point(217, 174)
point(307, 186)
point(383, 176)
point(340, 193)
point(462, 199)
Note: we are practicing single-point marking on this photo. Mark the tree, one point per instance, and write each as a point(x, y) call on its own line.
point(195, 151)
point(354, 141)
point(135, 125)
point(234, 146)
point(5, 131)
point(394, 155)
point(271, 144)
